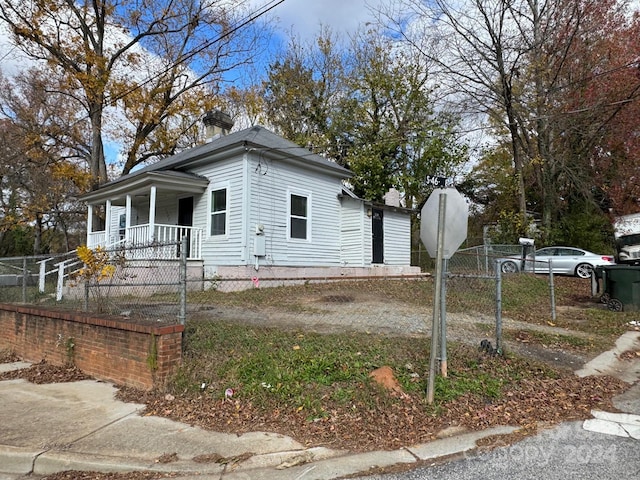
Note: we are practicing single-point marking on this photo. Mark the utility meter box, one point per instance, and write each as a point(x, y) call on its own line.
point(259, 246)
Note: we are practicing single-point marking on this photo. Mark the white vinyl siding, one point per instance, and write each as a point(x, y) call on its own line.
point(225, 249)
point(272, 183)
point(354, 245)
point(258, 199)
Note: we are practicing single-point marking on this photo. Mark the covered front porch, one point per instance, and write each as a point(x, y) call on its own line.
point(149, 209)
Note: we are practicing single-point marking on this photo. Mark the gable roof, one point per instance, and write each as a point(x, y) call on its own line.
point(255, 138)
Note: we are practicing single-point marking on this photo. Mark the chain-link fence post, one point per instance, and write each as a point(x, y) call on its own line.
point(42, 276)
point(24, 280)
point(182, 315)
point(552, 292)
point(499, 306)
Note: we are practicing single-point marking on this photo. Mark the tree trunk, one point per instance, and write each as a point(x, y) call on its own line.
point(97, 167)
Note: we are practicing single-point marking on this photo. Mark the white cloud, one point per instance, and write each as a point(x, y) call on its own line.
point(304, 17)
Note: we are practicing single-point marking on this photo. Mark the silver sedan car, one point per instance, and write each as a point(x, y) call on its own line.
point(564, 260)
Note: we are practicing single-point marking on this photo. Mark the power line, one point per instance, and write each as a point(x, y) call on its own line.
point(248, 19)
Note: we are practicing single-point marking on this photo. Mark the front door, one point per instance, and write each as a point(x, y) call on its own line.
point(185, 219)
point(377, 236)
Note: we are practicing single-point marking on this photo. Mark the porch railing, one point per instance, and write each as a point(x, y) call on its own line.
point(140, 235)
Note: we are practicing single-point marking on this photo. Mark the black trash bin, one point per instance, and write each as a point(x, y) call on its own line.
point(620, 287)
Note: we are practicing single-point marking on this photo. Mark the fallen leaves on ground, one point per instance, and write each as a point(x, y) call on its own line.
point(43, 372)
point(392, 424)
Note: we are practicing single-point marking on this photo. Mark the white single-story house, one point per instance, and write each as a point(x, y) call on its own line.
point(252, 201)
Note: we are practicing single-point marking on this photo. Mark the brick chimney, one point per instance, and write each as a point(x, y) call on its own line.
point(217, 124)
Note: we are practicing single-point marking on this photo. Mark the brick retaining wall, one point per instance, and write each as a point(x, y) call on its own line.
point(122, 352)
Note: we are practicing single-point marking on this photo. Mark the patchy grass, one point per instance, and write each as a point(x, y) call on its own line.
point(572, 343)
point(295, 370)
point(277, 369)
point(316, 387)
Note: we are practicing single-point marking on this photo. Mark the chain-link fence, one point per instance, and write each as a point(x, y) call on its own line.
point(34, 279)
point(156, 283)
point(19, 277)
point(512, 275)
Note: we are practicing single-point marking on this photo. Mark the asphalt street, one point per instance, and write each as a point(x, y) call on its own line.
point(566, 452)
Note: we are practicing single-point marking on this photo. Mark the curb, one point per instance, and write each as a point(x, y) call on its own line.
point(323, 462)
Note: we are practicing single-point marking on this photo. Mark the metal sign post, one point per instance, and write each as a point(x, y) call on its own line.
point(437, 298)
point(442, 240)
point(443, 319)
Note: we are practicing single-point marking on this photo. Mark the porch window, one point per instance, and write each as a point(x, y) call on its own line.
point(219, 212)
point(299, 217)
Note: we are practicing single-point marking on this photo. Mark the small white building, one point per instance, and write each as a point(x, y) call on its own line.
point(252, 201)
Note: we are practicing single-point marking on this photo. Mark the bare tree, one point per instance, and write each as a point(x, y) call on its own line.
point(478, 55)
point(518, 62)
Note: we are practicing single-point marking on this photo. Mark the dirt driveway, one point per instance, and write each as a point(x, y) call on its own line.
point(332, 309)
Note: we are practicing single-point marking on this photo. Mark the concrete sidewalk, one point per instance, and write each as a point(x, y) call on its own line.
point(51, 428)
point(80, 426)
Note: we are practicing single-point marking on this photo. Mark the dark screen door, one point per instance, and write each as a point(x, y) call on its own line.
point(378, 236)
point(185, 219)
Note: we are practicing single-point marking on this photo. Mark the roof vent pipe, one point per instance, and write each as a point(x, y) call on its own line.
point(217, 124)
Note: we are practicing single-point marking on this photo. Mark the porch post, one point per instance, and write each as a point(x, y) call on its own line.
point(107, 225)
point(152, 213)
point(89, 224)
point(127, 224)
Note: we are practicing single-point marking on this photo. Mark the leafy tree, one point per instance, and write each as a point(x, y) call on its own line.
point(41, 175)
point(245, 104)
point(492, 189)
point(610, 118)
point(368, 107)
point(147, 55)
point(396, 138)
point(572, 73)
point(303, 92)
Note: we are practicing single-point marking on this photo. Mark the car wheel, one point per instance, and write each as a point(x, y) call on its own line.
point(509, 267)
point(584, 270)
point(615, 305)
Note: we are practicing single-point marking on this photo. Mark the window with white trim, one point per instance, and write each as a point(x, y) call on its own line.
point(298, 216)
point(219, 210)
